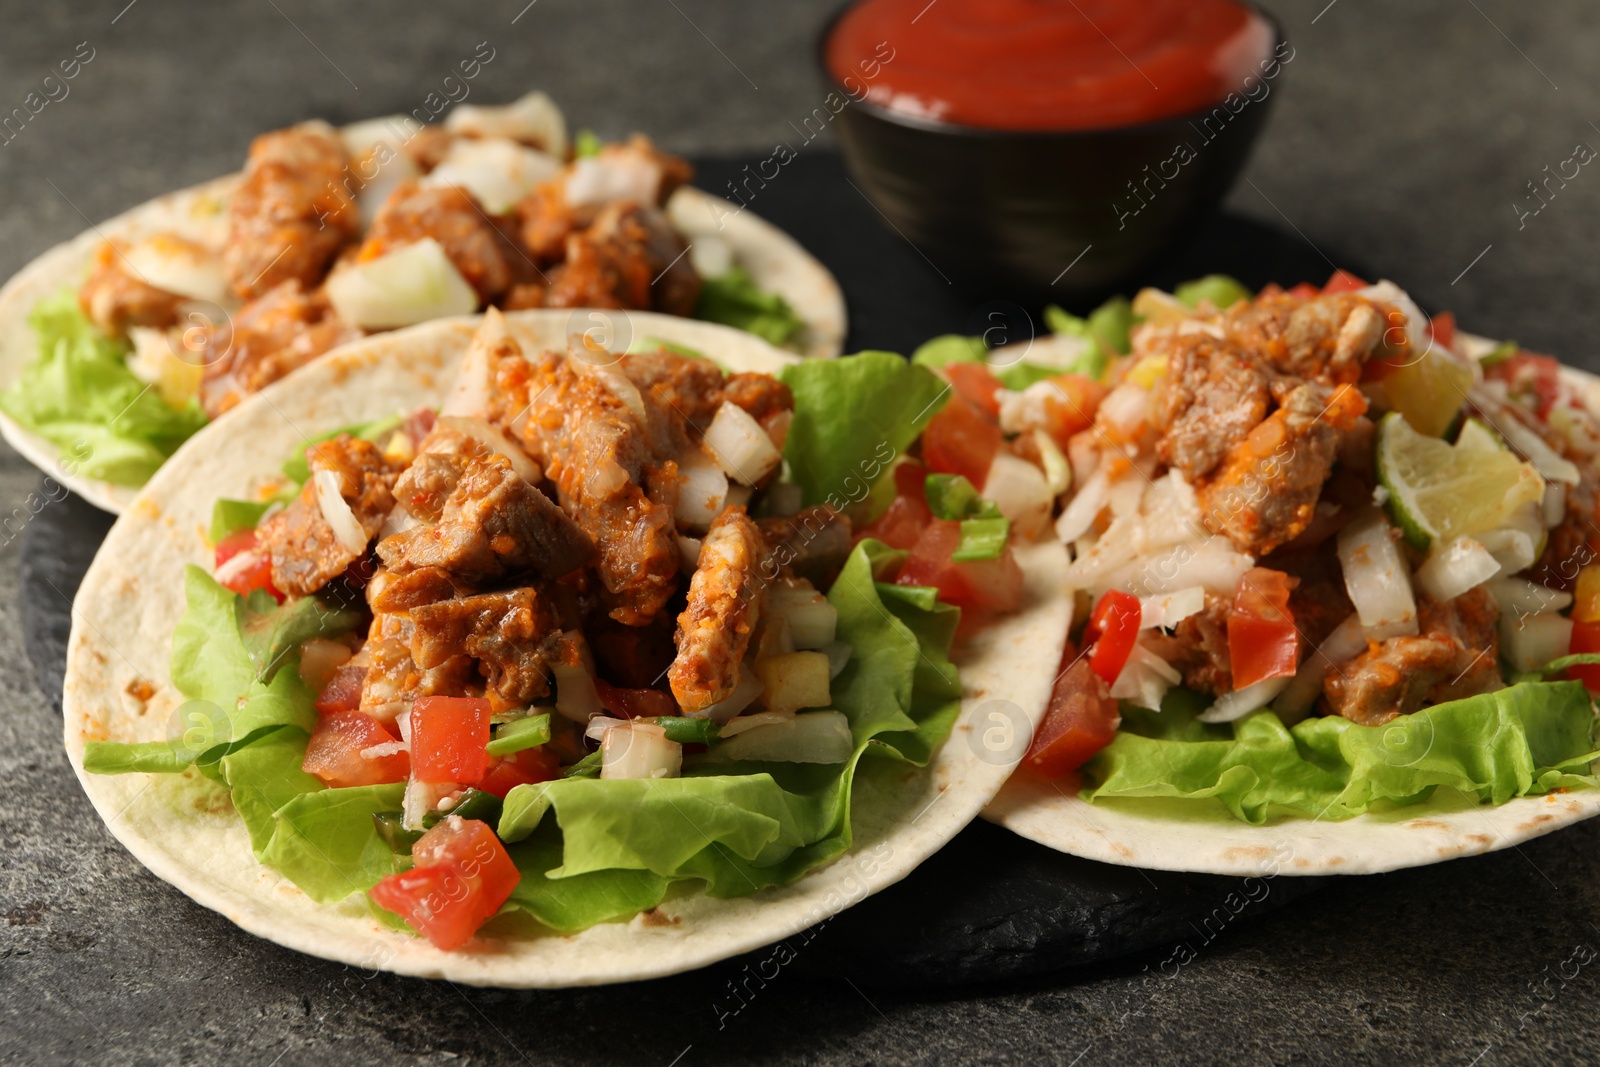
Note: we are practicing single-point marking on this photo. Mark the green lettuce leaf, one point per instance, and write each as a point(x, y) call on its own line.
point(80, 395)
point(950, 348)
point(1526, 739)
point(298, 469)
point(852, 418)
point(231, 516)
point(1221, 290)
point(325, 842)
point(273, 633)
point(734, 300)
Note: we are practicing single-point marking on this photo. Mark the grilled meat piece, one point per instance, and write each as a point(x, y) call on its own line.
point(393, 678)
point(449, 215)
point(306, 553)
point(1266, 491)
point(1209, 400)
point(492, 523)
point(1324, 338)
point(1453, 655)
point(724, 607)
point(812, 544)
point(511, 635)
point(691, 388)
point(1198, 647)
point(280, 331)
point(292, 212)
point(114, 297)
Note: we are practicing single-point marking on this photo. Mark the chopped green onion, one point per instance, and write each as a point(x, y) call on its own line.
point(473, 804)
point(982, 539)
point(689, 731)
point(391, 827)
point(515, 736)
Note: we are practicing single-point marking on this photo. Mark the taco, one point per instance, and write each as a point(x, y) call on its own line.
point(581, 644)
point(118, 345)
point(1335, 566)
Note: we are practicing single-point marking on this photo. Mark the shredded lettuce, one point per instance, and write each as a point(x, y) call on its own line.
point(298, 469)
point(1529, 738)
point(852, 419)
point(1222, 291)
point(734, 300)
point(231, 516)
point(950, 348)
point(80, 396)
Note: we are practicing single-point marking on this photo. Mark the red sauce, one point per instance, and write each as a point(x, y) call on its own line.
point(1047, 64)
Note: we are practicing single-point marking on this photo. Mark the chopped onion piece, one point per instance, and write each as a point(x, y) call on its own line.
point(812, 620)
point(741, 447)
point(838, 654)
point(387, 748)
point(1211, 564)
point(1555, 504)
point(1528, 642)
point(620, 174)
point(639, 750)
point(178, 265)
point(1126, 408)
point(1376, 577)
point(1167, 610)
point(739, 495)
point(413, 284)
point(421, 798)
point(597, 727)
point(1347, 641)
point(744, 694)
point(336, 512)
point(711, 256)
point(737, 726)
point(1453, 568)
point(576, 696)
point(236, 565)
point(1020, 491)
point(815, 737)
point(702, 492)
point(1057, 471)
point(532, 119)
point(1518, 598)
point(490, 437)
point(497, 171)
point(688, 553)
point(1084, 508)
point(1145, 679)
point(1241, 702)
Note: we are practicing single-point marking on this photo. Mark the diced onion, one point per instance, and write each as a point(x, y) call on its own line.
point(1376, 577)
point(739, 495)
point(812, 620)
point(688, 553)
point(1453, 568)
point(741, 447)
point(474, 384)
point(1082, 510)
point(1212, 564)
point(413, 284)
point(1545, 459)
point(1057, 471)
point(639, 750)
point(1167, 610)
point(1241, 702)
point(1555, 504)
point(816, 737)
point(744, 694)
point(376, 190)
point(618, 175)
point(421, 798)
point(336, 512)
point(1125, 408)
point(838, 654)
point(597, 727)
point(387, 748)
point(735, 727)
point(711, 256)
point(1020, 491)
point(1145, 679)
point(497, 171)
point(1347, 641)
point(532, 119)
point(1519, 597)
point(1513, 550)
point(178, 265)
point(1528, 642)
point(576, 696)
point(490, 437)
point(702, 492)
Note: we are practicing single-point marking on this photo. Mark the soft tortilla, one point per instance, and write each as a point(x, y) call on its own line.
point(775, 261)
point(1185, 836)
point(183, 829)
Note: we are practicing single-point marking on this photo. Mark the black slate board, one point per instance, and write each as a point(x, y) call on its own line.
point(990, 906)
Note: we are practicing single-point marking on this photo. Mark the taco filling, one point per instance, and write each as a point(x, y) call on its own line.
point(598, 625)
point(330, 235)
point(1328, 553)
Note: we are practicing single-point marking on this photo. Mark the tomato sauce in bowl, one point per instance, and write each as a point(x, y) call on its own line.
point(1050, 65)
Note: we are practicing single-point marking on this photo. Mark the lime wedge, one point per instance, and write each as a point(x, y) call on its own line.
point(1436, 489)
point(1477, 436)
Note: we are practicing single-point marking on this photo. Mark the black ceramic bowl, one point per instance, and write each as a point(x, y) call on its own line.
point(1062, 216)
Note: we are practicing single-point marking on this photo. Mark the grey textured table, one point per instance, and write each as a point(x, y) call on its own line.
point(1405, 139)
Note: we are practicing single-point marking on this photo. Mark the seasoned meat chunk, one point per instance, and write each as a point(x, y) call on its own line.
point(272, 335)
point(1325, 338)
point(691, 388)
point(1209, 400)
point(114, 297)
point(491, 523)
point(546, 220)
point(426, 585)
point(510, 634)
point(306, 552)
point(1453, 655)
point(631, 257)
point(291, 212)
point(1198, 647)
point(393, 678)
point(1572, 543)
point(724, 606)
point(449, 215)
point(1266, 491)
point(812, 544)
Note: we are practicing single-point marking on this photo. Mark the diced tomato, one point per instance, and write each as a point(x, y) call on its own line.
point(1080, 720)
point(1070, 406)
point(1443, 328)
point(961, 439)
point(985, 585)
point(334, 752)
point(1262, 640)
point(1530, 374)
point(257, 575)
point(634, 703)
point(447, 739)
point(908, 513)
point(343, 691)
point(461, 877)
point(1343, 282)
point(525, 768)
point(1585, 638)
point(977, 383)
point(1304, 291)
point(1113, 627)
